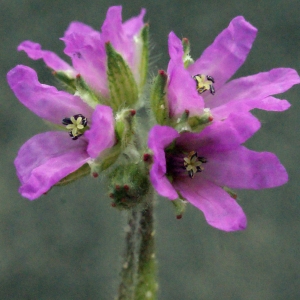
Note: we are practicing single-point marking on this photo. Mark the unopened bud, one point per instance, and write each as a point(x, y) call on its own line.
point(158, 101)
point(129, 183)
point(143, 68)
point(187, 59)
point(125, 127)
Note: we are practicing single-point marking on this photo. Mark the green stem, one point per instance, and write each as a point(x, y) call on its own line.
point(146, 287)
point(128, 272)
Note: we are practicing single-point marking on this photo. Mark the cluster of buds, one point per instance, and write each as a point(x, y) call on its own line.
point(199, 119)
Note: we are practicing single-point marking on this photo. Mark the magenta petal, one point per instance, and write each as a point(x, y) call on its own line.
point(112, 26)
point(255, 87)
point(134, 25)
point(47, 158)
point(175, 47)
point(159, 138)
point(44, 100)
point(102, 133)
point(80, 28)
point(34, 51)
point(121, 36)
point(180, 95)
point(244, 169)
point(269, 103)
point(161, 183)
point(220, 210)
point(227, 53)
point(84, 47)
point(221, 135)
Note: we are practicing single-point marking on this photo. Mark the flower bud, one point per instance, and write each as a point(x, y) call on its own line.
point(187, 59)
point(158, 101)
point(125, 127)
point(143, 67)
point(129, 183)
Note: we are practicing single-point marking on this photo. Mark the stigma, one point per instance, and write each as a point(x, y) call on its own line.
point(75, 125)
point(204, 83)
point(193, 163)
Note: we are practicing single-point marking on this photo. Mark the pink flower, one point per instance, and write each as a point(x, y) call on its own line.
point(197, 166)
point(47, 158)
point(217, 64)
point(86, 47)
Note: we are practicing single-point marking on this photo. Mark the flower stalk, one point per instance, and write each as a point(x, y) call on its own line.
point(138, 274)
point(128, 272)
point(146, 287)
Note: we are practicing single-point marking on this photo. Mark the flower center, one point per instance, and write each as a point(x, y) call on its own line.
point(75, 125)
point(193, 163)
point(204, 83)
point(182, 164)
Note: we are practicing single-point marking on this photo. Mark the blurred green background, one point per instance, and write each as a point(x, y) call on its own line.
point(68, 244)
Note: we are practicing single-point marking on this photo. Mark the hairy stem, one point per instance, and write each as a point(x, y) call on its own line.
point(129, 268)
point(146, 287)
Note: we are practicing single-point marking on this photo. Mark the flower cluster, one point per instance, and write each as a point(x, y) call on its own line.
point(195, 152)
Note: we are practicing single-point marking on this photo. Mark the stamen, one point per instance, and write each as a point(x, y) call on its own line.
point(204, 83)
point(193, 163)
point(75, 125)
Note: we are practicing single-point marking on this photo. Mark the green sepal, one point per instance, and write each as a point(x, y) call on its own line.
point(230, 192)
point(180, 207)
point(86, 94)
point(129, 183)
point(143, 67)
point(81, 172)
point(107, 158)
point(67, 82)
point(192, 124)
point(187, 59)
point(125, 127)
point(158, 101)
point(197, 123)
point(122, 85)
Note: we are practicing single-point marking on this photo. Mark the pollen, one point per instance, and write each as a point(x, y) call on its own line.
point(193, 163)
point(75, 125)
point(204, 83)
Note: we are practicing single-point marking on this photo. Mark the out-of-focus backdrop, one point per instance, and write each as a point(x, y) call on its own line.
point(68, 244)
